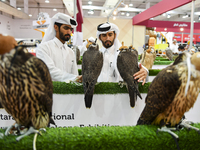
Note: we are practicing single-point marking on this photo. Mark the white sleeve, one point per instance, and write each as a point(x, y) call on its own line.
point(56, 73)
point(147, 78)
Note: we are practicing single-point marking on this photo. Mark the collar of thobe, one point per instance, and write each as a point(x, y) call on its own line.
point(59, 43)
point(110, 50)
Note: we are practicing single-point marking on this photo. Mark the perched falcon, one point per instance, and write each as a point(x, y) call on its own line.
point(127, 64)
point(92, 63)
point(169, 54)
point(26, 90)
point(172, 93)
point(148, 58)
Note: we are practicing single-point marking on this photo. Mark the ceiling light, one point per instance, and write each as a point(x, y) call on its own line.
point(168, 15)
point(127, 14)
point(165, 29)
point(30, 15)
point(91, 12)
point(151, 18)
point(185, 16)
point(89, 2)
point(19, 9)
point(46, 1)
point(114, 12)
point(122, 13)
point(199, 17)
point(126, 6)
point(114, 18)
point(154, 28)
point(130, 5)
point(54, 9)
point(164, 14)
point(181, 29)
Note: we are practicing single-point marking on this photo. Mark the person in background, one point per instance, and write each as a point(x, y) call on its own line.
point(174, 47)
point(59, 58)
point(108, 34)
point(181, 49)
point(82, 47)
point(7, 43)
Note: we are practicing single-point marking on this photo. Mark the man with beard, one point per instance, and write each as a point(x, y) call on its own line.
point(108, 33)
point(59, 58)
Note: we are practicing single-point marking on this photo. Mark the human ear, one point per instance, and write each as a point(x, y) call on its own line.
point(56, 27)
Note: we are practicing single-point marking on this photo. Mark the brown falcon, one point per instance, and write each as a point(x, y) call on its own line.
point(127, 64)
point(26, 90)
point(169, 54)
point(148, 58)
point(172, 93)
point(92, 63)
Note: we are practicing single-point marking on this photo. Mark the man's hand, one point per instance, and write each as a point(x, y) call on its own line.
point(142, 74)
point(7, 44)
point(79, 79)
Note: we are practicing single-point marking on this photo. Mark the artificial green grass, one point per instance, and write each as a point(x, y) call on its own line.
point(141, 137)
point(154, 72)
point(79, 62)
point(100, 88)
point(162, 62)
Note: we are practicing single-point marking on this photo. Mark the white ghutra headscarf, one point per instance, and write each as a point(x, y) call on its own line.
point(60, 18)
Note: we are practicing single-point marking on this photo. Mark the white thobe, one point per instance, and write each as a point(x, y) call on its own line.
point(59, 58)
point(174, 48)
point(109, 72)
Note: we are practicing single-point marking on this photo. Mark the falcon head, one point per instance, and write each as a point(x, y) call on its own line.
point(93, 46)
point(123, 48)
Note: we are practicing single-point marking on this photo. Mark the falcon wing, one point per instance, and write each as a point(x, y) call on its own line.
point(161, 93)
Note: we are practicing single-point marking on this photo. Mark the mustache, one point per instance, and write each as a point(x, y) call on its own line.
point(67, 35)
point(108, 41)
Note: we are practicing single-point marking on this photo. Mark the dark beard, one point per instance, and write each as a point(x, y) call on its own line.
point(108, 45)
point(65, 37)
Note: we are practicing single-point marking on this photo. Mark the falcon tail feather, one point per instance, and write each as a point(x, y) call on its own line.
point(88, 100)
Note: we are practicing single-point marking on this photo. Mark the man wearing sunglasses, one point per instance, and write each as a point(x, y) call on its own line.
point(53, 50)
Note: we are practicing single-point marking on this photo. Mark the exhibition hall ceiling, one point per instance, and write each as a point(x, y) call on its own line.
point(126, 9)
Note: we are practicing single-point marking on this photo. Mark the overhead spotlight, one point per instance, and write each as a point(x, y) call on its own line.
point(114, 18)
point(122, 13)
point(91, 12)
point(131, 5)
point(185, 16)
point(164, 14)
point(151, 18)
point(168, 15)
point(126, 6)
point(54, 9)
point(89, 2)
point(127, 14)
point(181, 29)
point(154, 28)
point(114, 12)
point(19, 8)
point(165, 29)
point(30, 15)
point(46, 1)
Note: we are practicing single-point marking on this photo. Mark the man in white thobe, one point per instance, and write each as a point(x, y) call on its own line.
point(59, 58)
point(108, 33)
point(174, 47)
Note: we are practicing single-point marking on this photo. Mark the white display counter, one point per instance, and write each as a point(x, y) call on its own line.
point(106, 110)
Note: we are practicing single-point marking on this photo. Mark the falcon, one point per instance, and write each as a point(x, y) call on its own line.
point(127, 64)
point(169, 54)
point(148, 58)
point(26, 90)
point(92, 63)
point(172, 93)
